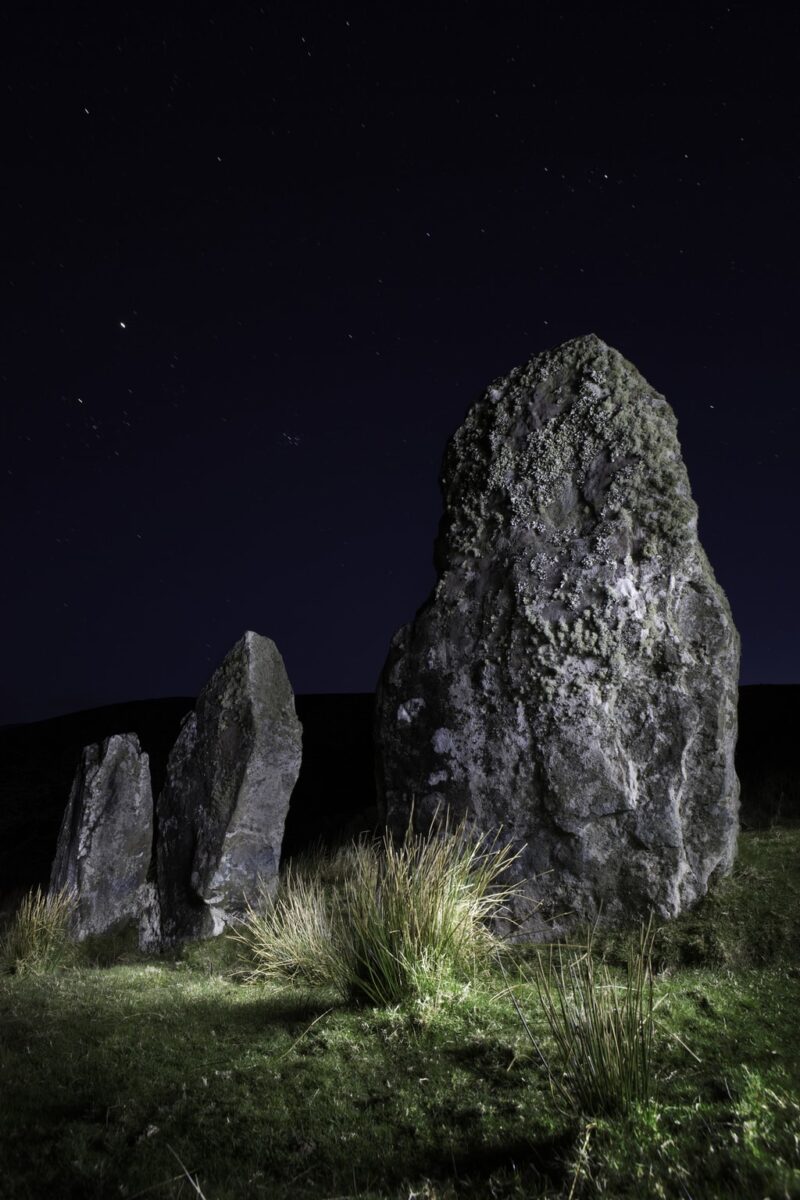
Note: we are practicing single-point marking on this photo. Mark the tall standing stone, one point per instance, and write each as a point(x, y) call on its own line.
point(573, 675)
point(230, 775)
point(106, 837)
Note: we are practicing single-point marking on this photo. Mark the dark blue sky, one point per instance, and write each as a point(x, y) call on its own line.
point(261, 258)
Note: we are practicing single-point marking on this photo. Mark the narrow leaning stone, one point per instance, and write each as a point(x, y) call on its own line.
point(105, 841)
point(230, 775)
point(573, 676)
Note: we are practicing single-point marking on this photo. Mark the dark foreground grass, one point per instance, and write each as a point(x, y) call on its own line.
point(108, 1074)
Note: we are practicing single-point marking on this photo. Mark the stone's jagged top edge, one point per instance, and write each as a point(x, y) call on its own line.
point(583, 345)
point(115, 737)
point(100, 750)
point(251, 638)
point(247, 644)
point(582, 349)
point(244, 653)
point(583, 339)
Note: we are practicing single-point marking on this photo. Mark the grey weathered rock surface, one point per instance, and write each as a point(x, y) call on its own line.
point(221, 814)
point(105, 842)
point(573, 675)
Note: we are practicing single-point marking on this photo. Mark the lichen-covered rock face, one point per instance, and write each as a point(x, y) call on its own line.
point(573, 676)
point(106, 838)
point(230, 776)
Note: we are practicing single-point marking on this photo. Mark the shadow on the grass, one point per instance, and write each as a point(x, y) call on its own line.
point(525, 1160)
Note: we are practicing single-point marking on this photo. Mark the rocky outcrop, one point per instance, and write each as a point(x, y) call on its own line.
point(572, 677)
point(221, 814)
point(106, 837)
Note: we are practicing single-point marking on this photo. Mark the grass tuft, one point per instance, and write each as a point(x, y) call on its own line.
point(382, 922)
point(288, 934)
point(417, 914)
point(37, 938)
point(602, 1028)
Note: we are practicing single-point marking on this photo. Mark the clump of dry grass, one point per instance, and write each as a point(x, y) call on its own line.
point(38, 935)
point(383, 921)
point(416, 913)
point(288, 933)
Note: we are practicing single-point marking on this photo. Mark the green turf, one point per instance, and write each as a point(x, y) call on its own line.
point(108, 1073)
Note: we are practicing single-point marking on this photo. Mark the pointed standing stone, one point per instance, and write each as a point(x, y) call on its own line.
point(230, 776)
point(106, 837)
point(573, 675)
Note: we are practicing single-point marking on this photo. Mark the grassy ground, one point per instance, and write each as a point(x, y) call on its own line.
point(111, 1075)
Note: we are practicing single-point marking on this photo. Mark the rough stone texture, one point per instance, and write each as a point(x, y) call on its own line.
point(221, 815)
point(106, 837)
point(573, 675)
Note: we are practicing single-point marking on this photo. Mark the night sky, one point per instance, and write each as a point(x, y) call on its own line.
point(259, 259)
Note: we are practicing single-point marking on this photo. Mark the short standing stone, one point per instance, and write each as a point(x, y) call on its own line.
point(105, 842)
point(223, 808)
point(573, 675)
